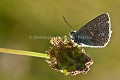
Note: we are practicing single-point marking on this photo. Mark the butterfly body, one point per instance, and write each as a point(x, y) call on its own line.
point(95, 33)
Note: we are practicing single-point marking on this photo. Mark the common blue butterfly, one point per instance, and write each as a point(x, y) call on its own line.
point(95, 33)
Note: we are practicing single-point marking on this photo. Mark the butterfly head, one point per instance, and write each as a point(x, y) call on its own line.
point(72, 34)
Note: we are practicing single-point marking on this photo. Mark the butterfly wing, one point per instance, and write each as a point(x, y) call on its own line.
point(95, 33)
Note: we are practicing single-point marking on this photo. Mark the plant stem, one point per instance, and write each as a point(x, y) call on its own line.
point(27, 53)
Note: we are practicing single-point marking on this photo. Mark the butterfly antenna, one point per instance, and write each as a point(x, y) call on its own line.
point(67, 23)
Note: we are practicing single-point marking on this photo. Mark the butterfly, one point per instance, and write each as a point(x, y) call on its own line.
point(96, 33)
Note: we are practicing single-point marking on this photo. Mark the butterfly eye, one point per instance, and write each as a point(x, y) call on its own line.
point(89, 28)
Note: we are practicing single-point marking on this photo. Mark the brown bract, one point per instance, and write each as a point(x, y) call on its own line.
point(68, 57)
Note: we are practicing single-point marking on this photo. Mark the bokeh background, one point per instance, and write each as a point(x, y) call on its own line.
point(22, 19)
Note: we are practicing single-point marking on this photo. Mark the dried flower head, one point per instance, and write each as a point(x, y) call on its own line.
point(68, 57)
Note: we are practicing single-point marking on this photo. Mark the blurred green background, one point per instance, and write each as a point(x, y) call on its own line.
point(21, 19)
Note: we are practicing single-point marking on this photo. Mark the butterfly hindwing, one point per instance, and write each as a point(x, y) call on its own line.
point(95, 33)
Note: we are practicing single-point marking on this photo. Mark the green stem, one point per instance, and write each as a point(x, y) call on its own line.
point(27, 53)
